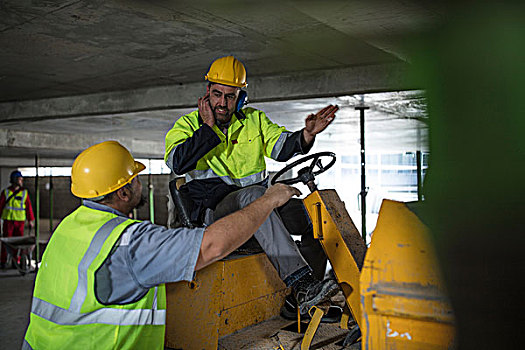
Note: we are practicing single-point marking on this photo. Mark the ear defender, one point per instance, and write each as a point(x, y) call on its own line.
point(241, 101)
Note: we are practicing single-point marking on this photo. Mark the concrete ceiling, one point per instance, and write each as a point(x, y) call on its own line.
point(73, 73)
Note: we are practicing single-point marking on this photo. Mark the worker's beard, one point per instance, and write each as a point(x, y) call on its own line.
point(222, 118)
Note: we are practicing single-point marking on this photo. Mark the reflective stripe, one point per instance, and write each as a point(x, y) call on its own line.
point(14, 208)
point(22, 202)
point(126, 236)
point(26, 346)
point(210, 174)
point(169, 159)
point(118, 317)
point(277, 148)
point(92, 252)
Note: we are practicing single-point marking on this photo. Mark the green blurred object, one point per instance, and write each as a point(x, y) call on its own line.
point(473, 69)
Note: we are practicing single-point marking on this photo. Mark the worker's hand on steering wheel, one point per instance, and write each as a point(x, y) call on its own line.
point(316, 123)
point(205, 110)
point(280, 193)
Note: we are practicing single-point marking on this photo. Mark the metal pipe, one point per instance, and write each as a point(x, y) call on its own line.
point(151, 199)
point(419, 176)
point(364, 191)
point(50, 203)
point(37, 214)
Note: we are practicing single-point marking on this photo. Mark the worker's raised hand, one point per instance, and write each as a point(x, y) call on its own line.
point(205, 111)
point(315, 123)
point(280, 193)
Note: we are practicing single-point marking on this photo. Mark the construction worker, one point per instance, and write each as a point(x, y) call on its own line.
point(221, 149)
point(15, 207)
point(101, 280)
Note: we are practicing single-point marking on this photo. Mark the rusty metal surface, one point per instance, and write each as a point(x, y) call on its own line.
point(224, 297)
point(253, 292)
point(192, 320)
point(345, 225)
point(404, 300)
point(338, 236)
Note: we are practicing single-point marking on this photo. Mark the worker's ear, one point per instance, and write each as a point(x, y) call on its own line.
point(124, 194)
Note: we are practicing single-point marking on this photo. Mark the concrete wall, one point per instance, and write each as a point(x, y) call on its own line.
point(4, 176)
point(64, 202)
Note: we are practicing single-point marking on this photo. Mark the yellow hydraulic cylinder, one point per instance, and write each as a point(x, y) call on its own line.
point(341, 241)
point(404, 301)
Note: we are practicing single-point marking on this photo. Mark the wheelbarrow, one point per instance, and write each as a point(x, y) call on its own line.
point(20, 249)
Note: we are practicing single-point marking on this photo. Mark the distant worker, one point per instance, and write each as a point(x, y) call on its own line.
point(15, 207)
point(101, 280)
point(221, 148)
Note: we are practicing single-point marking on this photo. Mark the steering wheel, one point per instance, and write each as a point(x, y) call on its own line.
point(307, 174)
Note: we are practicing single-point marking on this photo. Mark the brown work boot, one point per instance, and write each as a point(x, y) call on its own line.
point(308, 292)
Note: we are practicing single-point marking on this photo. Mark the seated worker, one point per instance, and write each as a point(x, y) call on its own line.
point(101, 280)
point(221, 148)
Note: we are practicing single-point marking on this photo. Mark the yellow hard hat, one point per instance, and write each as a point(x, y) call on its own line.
point(227, 71)
point(102, 169)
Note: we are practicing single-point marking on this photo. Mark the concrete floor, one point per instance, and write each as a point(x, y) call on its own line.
point(15, 303)
point(16, 292)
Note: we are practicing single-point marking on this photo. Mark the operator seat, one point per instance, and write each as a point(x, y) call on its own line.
point(180, 206)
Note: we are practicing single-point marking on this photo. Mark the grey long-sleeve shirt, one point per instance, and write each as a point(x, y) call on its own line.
point(145, 256)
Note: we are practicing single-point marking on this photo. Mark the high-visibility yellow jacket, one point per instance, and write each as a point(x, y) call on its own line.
point(217, 163)
point(15, 207)
point(237, 157)
point(65, 312)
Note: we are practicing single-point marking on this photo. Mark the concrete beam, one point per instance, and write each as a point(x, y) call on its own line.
point(21, 144)
point(323, 83)
point(330, 83)
point(28, 162)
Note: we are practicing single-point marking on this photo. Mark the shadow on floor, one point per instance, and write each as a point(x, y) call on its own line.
point(15, 303)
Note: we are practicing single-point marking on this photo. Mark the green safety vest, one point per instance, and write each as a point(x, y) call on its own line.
point(239, 158)
point(65, 313)
point(15, 208)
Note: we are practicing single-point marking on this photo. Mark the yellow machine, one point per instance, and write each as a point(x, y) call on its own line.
point(226, 296)
point(393, 289)
point(404, 301)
